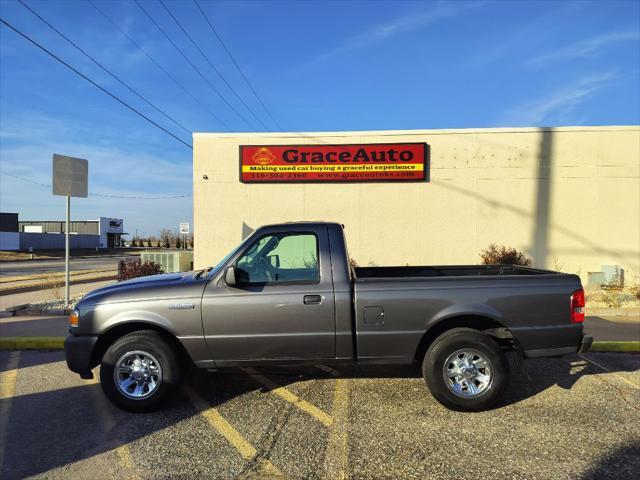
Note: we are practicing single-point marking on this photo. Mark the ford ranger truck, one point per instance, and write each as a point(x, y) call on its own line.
point(288, 296)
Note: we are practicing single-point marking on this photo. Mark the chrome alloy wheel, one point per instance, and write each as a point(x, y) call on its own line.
point(468, 373)
point(137, 374)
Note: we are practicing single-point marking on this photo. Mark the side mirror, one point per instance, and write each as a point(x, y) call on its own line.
point(230, 276)
point(274, 260)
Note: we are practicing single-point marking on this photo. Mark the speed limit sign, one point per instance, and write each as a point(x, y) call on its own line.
point(185, 228)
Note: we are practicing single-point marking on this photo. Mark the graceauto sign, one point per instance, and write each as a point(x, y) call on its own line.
point(371, 162)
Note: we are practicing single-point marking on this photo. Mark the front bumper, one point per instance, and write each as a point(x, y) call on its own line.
point(78, 351)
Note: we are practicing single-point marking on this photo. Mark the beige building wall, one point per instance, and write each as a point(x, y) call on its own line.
point(568, 197)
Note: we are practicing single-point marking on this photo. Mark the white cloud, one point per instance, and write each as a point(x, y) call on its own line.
point(584, 48)
point(383, 31)
point(520, 36)
point(558, 106)
point(120, 169)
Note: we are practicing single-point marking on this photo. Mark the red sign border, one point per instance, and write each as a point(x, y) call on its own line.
point(426, 177)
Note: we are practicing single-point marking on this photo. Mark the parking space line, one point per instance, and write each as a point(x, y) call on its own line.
point(609, 371)
point(337, 454)
point(108, 422)
point(8, 379)
point(293, 399)
point(124, 454)
point(213, 417)
point(9, 376)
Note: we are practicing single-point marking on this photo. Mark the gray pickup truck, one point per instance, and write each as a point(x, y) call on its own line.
point(288, 295)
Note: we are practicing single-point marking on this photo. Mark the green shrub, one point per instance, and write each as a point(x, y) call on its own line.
point(612, 298)
point(134, 268)
point(495, 254)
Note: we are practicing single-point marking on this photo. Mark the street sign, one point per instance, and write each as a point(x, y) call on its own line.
point(70, 179)
point(70, 176)
point(185, 228)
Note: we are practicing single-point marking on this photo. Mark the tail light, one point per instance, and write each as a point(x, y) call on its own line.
point(577, 306)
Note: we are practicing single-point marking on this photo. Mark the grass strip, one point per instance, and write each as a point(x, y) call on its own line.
point(31, 343)
point(622, 346)
point(51, 277)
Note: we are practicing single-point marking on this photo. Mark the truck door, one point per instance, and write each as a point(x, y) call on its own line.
point(282, 306)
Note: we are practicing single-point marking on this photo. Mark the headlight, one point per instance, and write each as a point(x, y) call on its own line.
point(74, 318)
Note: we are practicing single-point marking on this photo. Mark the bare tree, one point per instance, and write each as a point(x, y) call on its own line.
point(167, 237)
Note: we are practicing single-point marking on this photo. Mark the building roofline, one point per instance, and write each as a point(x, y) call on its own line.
point(51, 221)
point(306, 223)
point(391, 133)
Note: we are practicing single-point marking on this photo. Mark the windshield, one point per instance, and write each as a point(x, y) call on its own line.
point(226, 258)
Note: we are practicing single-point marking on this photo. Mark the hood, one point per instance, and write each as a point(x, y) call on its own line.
point(142, 288)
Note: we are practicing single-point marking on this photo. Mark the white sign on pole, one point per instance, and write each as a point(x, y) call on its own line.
point(70, 176)
point(70, 179)
point(185, 228)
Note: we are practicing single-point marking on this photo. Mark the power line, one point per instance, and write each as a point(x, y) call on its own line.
point(206, 57)
point(107, 195)
point(77, 72)
point(204, 15)
point(166, 72)
point(214, 68)
point(103, 67)
point(193, 66)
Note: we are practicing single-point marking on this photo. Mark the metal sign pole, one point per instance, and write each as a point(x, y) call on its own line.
point(66, 254)
point(70, 179)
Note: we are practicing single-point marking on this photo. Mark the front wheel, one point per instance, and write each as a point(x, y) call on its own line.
point(139, 370)
point(465, 370)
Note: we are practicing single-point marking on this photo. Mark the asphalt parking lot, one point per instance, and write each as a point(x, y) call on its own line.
point(573, 417)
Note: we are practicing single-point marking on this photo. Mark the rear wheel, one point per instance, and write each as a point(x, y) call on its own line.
point(139, 371)
point(465, 370)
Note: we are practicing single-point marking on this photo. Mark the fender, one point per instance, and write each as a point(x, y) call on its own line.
point(458, 310)
point(185, 326)
point(143, 316)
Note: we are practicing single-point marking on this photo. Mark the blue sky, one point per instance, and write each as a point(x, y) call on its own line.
point(316, 65)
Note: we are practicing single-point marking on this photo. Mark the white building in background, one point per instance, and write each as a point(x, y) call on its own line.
point(105, 232)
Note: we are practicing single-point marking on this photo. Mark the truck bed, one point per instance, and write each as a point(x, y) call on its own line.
point(447, 271)
point(394, 305)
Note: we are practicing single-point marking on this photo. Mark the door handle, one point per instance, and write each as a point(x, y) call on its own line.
point(312, 299)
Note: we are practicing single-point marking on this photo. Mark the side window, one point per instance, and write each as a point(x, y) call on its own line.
point(280, 258)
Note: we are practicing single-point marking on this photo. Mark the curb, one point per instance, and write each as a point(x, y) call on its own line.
point(37, 312)
point(57, 343)
point(613, 312)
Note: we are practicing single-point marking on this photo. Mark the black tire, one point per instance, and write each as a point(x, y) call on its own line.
point(154, 344)
point(451, 342)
